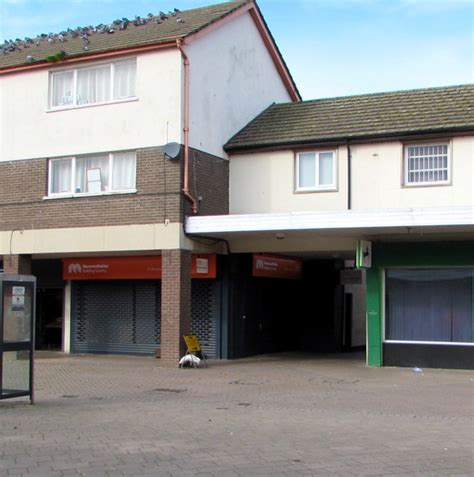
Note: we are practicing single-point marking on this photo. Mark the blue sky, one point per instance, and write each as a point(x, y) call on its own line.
point(332, 47)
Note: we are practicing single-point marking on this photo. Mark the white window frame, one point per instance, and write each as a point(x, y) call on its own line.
point(74, 104)
point(317, 187)
point(72, 193)
point(426, 183)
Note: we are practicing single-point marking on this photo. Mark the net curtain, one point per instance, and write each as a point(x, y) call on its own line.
point(93, 85)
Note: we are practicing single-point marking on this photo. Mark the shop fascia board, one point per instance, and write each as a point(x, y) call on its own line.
point(368, 221)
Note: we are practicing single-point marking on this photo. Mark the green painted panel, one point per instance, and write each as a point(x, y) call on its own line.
point(374, 317)
point(423, 254)
point(419, 254)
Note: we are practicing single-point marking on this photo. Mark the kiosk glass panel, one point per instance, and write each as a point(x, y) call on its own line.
point(17, 313)
point(16, 371)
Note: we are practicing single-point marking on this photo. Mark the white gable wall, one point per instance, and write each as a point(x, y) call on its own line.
point(30, 131)
point(232, 80)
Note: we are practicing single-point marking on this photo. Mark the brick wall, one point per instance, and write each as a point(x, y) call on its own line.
point(175, 304)
point(17, 264)
point(209, 182)
point(23, 186)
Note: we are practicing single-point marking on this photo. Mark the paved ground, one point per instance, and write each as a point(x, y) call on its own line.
point(277, 415)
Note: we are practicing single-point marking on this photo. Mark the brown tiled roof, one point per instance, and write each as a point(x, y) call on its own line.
point(359, 117)
point(178, 25)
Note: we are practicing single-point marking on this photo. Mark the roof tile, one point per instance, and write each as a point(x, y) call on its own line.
point(352, 117)
point(149, 33)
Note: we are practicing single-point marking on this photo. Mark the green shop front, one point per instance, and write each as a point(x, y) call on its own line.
point(420, 305)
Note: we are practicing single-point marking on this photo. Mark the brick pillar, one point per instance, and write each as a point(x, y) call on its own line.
point(175, 304)
point(17, 264)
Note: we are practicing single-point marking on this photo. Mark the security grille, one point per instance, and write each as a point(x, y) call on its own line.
point(427, 164)
point(125, 316)
point(204, 315)
point(116, 317)
point(147, 316)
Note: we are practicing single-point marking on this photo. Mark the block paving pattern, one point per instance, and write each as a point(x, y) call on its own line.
point(276, 415)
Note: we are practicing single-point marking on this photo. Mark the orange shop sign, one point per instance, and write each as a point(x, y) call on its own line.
point(277, 266)
point(132, 268)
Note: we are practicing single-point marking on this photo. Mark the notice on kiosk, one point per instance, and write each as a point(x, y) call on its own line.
point(18, 298)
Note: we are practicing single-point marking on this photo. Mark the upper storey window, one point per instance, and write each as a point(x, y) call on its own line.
point(315, 171)
point(427, 164)
point(93, 174)
point(93, 85)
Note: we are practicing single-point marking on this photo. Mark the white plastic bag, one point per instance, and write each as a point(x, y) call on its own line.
point(189, 361)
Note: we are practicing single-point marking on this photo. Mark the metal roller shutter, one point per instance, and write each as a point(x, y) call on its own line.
point(204, 314)
point(116, 317)
point(125, 316)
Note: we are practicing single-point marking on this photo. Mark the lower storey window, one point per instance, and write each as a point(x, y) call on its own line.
point(92, 174)
point(429, 305)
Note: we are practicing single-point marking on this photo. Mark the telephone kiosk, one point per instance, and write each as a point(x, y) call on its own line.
point(17, 324)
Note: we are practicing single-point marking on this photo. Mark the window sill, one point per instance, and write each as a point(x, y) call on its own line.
point(78, 196)
point(444, 343)
point(313, 191)
point(426, 184)
point(92, 105)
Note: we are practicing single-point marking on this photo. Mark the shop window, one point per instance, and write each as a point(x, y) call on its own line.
point(92, 174)
point(315, 171)
point(427, 164)
point(429, 305)
point(99, 84)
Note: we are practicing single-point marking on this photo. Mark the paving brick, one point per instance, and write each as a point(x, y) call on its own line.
point(303, 419)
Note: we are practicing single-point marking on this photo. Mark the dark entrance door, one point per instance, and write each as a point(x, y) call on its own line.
point(242, 326)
